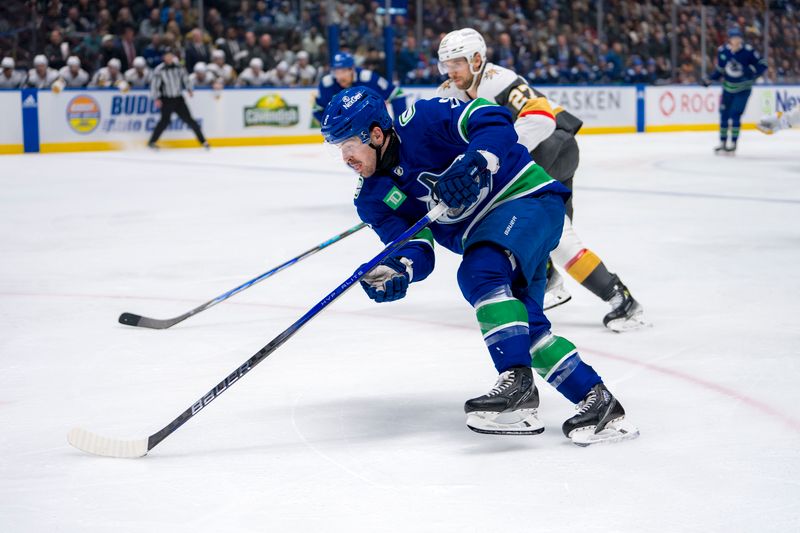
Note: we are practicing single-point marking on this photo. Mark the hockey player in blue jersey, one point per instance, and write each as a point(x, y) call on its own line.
point(344, 74)
point(738, 65)
point(505, 216)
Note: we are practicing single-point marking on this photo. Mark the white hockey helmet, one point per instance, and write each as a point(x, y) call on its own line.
point(8, 62)
point(256, 62)
point(200, 66)
point(114, 63)
point(139, 62)
point(73, 61)
point(40, 60)
point(465, 43)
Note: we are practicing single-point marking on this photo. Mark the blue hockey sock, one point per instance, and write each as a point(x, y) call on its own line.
point(557, 361)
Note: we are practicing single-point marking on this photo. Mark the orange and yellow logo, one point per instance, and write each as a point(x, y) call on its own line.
point(83, 114)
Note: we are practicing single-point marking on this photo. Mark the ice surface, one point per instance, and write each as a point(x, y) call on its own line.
point(356, 423)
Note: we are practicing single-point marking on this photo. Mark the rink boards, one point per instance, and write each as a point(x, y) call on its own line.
point(107, 119)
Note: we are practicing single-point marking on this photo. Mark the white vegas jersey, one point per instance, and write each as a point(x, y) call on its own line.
point(533, 113)
point(139, 79)
point(225, 72)
point(207, 81)
point(14, 81)
point(248, 78)
point(41, 82)
point(104, 78)
point(78, 79)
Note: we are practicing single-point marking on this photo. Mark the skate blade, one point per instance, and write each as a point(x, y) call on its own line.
point(629, 323)
point(554, 299)
point(521, 422)
point(617, 431)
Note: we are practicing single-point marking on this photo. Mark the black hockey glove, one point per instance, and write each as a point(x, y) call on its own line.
point(388, 281)
point(461, 183)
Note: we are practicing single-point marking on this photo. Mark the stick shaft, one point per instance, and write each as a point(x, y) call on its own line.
point(286, 334)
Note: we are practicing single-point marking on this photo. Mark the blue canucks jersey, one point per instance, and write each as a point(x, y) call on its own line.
point(740, 69)
point(328, 87)
point(432, 134)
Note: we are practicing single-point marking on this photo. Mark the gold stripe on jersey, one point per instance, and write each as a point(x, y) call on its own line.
point(537, 106)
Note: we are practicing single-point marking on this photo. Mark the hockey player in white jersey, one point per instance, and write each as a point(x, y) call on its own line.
point(140, 75)
point(220, 69)
point(110, 75)
point(10, 78)
point(770, 124)
point(41, 76)
point(72, 74)
point(548, 132)
point(201, 76)
point(254, 75)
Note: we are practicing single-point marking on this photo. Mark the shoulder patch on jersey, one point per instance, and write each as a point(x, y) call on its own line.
point(463, 120)
point(394, 198)
point(365, 75)
point(327, 80)
point(407, 115)
point(748, 47)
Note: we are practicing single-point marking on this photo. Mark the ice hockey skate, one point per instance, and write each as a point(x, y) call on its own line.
point(509, 408)
point(725, 149)
point(626, 313)
point(600, 419)
point(555, 294)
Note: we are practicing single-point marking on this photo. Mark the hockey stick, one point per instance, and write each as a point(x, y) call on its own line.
point(97, 445)
point(130, 319)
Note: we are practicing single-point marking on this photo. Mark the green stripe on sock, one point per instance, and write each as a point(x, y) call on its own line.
point(544, 358)
point(493, 315)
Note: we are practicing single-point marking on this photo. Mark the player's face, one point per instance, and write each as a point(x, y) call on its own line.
point(458, 71)
point(344, 76)
point(358, 156)
point(736, 43)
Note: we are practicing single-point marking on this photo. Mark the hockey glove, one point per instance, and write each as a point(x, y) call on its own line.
point(461, 183)
point(388, 281)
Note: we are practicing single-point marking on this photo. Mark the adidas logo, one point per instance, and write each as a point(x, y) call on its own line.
point(30, 101)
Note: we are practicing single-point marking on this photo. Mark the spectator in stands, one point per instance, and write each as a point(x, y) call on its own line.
point(10, 78)
point(150, 26)
point(108, 76)
point(41, 76)
point(230, 45)
point(75, 24)
point(201, 76)
point(109, 50)
point(248, 52)
point(254, 75)
point(153, 52)
point(314, 44)
point(128, 47)
point(265, 52)
point(196, 50)
point(57, 50)
point(222, 71)
point(139, 76)
point(302, 73)
point(421, 75)
point(72, 73)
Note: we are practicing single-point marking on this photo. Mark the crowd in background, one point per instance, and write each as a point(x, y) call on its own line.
point(283, 43)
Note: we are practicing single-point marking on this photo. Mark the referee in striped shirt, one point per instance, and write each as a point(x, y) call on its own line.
point(169, 80)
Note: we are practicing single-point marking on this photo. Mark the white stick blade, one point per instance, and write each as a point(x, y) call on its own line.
point(95, 444)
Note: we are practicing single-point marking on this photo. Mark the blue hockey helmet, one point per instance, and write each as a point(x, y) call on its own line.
point(343, 60)
point(352, 113)
point(734, 31)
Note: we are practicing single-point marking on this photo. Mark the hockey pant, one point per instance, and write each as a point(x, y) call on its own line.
point(513, 324)
point(559, 155)
point(178, 106)
point(731, 109)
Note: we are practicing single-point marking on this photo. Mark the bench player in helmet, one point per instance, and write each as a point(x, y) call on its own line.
point(344, 74)
point(548, 131)
point(505, 215)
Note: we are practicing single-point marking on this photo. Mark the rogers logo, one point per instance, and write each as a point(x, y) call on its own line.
point(666, 104)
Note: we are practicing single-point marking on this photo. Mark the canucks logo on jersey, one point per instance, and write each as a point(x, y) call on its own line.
point(456, 214)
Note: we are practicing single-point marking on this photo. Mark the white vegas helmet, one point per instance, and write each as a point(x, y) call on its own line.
point(465, 43)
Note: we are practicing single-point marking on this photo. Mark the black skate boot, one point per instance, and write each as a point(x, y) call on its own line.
point(626, 313)
point(509, 408)
point(600, 418)
point(554, 293)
